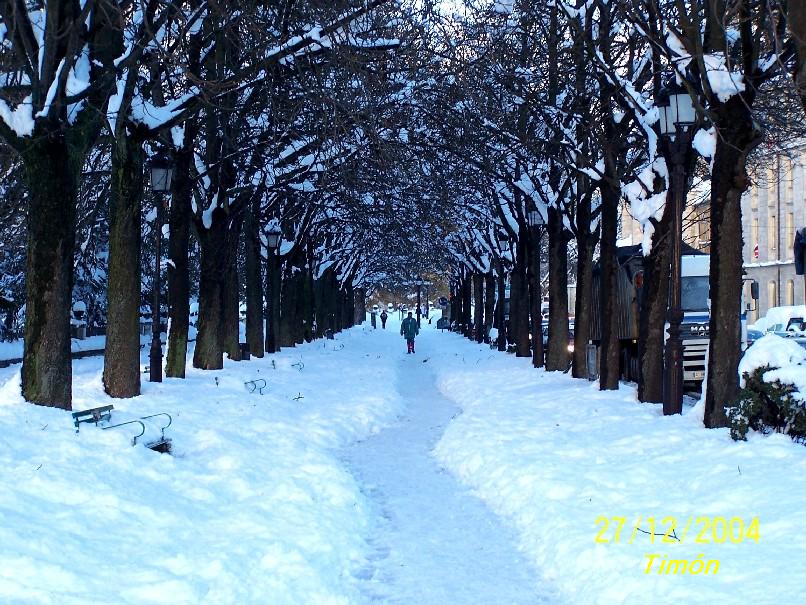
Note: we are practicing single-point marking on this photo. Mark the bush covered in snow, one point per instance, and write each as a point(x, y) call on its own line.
point(768, 406)
point(773, 383)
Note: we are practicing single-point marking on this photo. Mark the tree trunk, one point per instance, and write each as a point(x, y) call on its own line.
point(478, 315)
point(308, 304)
point(584, 300)
point(231, 324)
point(535, 299)
point(737, 136)
point(458, 315)
point(652, 326)
point(609, 355)
point(467, 298)
point(796, 21)
point(359, 304)
point(454, 301)
point(344, 298)
point(121, 376)
point(332, 289)
point(489, 304)
point(52, 191)
point(501, 310)
point(320, 305)
point(254, 282)
point(519, 308)
point(350, 293)
point(557, 358)
point(178, 268)
point(288, 309)
point(209, 351)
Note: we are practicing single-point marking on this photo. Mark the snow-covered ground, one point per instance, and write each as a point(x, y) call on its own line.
point(351, 481)
point(434, 542)
point(253, 507)
point(552, 455)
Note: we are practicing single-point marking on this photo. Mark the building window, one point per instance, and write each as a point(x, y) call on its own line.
point(754, 240)
point(790, 292)
point(772, 234)
point(790, 180)
point(790, 235)
point(772, 294)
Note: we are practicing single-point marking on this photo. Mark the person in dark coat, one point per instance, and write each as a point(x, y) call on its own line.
point(384, 317)
point(409, 330)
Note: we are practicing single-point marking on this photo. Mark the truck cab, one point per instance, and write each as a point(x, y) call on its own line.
point(695, 302)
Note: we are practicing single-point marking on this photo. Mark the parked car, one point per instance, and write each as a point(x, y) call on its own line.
point(795, 330)
point(570, 335)
point(753, 334)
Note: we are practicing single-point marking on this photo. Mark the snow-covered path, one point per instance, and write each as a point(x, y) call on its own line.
point(435, 542)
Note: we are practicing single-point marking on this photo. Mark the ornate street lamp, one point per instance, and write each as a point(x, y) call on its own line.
point(161, 169)
point(273, 237)
point(535, 220)
point(677, 117)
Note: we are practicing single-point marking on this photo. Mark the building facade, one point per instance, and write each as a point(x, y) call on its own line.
point(773, 209)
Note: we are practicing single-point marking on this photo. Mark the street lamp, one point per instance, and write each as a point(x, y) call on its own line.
point(273, 237)
point(161, 175)
point(677, 117)
point(419, 283)
point(535, 220)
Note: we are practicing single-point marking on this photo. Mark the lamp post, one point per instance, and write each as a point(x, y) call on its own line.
point(273, 237)
point(535, 220)
point(419, 284)
point(161, 175)
point(677, 116)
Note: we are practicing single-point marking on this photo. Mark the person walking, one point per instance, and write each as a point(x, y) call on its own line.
point(409, 330)
point(384, 317)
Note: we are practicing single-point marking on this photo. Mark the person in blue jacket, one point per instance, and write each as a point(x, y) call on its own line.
point(409, 330)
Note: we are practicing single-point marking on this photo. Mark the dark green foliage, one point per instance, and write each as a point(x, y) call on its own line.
point(767, 407)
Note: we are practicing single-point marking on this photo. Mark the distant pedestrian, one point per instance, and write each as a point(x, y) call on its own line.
point(409, 330)
point(384, 317)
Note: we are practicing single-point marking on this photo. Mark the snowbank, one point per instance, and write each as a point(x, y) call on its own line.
point(552, 454)
point(773, 351)
point(253, 507)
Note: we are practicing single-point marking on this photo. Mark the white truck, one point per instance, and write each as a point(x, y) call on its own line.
point(695, 303)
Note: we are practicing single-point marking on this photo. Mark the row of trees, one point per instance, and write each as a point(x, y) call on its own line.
point(551, 107)
point(287, 117)
point(384, 140)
